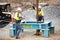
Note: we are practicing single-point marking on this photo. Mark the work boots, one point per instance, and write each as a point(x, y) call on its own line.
point(37, 33)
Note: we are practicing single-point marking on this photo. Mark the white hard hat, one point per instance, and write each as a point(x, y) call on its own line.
point(19, 9)
point(40, 7)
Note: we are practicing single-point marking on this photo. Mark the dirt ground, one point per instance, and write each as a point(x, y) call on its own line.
point(51, 13)
point(28, 35)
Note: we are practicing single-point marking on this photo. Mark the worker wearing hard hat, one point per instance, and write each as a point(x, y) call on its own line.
point(18, 14)
point(40, 14)
point(40, 17)
point(18, 17)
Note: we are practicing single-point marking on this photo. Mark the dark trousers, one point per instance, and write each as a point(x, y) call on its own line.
point(39, 19)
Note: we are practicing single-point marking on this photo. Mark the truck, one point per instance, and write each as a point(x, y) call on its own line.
point(4, 9)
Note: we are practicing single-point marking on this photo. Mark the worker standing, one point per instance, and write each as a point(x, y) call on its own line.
point(40, 18)
point(18, 17)
point(40, 14)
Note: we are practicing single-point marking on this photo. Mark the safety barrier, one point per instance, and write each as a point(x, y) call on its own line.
point(46, 27)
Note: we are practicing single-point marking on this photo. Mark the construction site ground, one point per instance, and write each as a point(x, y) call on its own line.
point(52, 13)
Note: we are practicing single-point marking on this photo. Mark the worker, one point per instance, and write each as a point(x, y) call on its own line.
point(18, 17)
point(40, 14)
point(40, 18)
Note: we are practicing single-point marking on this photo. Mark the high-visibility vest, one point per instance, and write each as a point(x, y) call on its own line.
point(41, 13)
point(17, 16)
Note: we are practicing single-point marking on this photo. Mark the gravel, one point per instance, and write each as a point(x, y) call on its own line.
point(51, 13)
